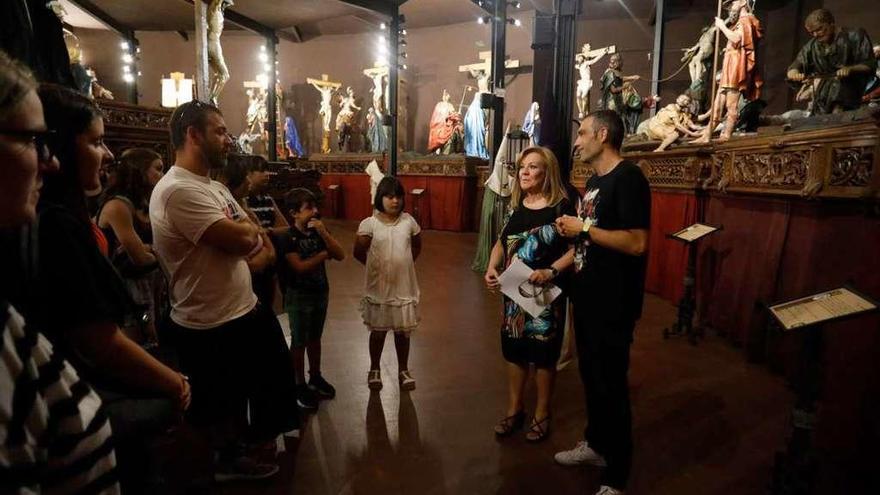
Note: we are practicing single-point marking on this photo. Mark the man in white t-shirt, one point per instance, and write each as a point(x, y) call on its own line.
point(203, 238)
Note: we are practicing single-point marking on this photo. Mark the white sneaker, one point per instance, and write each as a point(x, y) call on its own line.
point(579, 455)
point(607, 490)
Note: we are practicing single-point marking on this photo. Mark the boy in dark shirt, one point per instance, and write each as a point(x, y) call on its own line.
point(303, 250)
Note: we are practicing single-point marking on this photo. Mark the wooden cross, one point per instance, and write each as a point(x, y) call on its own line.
point(324, 82)
point(486, 65)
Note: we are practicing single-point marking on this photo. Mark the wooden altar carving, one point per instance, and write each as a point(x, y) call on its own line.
point(134, 126)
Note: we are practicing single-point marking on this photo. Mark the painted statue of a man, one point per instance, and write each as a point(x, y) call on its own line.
point(671, 123)
point(739, 70)
point(612, 85)
point(219, 71)
point(840, 59)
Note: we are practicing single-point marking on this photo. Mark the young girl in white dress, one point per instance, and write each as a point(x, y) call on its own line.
point(388, 244)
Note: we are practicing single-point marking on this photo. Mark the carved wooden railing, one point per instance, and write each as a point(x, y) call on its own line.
point(837, 159)
point(133, 126)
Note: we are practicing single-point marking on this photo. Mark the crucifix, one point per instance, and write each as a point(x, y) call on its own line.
point(582, 62)
point(326, 87)
point(482, 71)
point(378, 73)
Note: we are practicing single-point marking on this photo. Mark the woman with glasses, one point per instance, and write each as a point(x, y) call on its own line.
point(538, 197)
point(81, 300)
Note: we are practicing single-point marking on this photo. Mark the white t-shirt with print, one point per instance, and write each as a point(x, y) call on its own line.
point(208, 286)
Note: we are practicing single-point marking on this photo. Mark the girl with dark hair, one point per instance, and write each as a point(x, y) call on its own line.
point(388, 244)
point(80, 300)
point(124, 219)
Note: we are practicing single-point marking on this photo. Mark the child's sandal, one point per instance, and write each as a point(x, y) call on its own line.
point(374, 379)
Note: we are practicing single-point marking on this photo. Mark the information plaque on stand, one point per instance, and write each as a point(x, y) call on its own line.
point(794, 472)
point(821, 308)
point(694, 232)
point(684, 323)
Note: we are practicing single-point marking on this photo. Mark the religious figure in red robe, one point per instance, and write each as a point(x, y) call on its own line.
point(445, 128)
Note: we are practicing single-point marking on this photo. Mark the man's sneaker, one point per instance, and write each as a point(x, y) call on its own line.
point(579, 455)
point(320, 386)
point(243, 468)
point(607, 490)
point(305, 398)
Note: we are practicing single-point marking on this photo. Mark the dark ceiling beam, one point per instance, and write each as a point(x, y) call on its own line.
point(291, 34)
point(384, 7)
point(105, 18)
point(246, 22)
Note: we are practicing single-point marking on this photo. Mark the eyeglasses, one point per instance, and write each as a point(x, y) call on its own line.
point(40, 139)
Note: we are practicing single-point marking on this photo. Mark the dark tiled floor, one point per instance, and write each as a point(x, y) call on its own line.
point(706, 422)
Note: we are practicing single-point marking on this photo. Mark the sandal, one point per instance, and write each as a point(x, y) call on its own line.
point(407, 382)
point(510, 424)
point(374, 380)
point(538, 430)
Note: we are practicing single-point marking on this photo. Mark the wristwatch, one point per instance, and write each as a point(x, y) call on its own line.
point(585, 230)
point(554, 271)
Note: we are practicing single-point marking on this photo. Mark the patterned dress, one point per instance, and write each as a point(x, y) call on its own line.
point(530, 236)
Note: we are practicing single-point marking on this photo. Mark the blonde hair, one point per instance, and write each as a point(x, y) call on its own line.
point(553, 189)
point(16, 81)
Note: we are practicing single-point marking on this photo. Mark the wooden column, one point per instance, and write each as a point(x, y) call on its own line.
point(499, 55)
point(272, 103)
point(393, 80)
point(657, 56)
point(201, 39)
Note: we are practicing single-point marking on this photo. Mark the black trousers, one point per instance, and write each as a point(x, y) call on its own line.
point(240, 365)
point(603, 361)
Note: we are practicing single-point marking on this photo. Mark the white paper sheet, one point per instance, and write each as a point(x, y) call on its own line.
point(515, 278)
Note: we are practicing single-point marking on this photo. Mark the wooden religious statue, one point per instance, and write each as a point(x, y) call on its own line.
point(376, 134)
point(837, 63)
point(345, 119)
point(699, 62)
point(446, 128)
point(612, 85)
point(326, 88)
point(216, 63)
point(475, 120)
point(582, 62)
point(671, 123)
point(739, 71)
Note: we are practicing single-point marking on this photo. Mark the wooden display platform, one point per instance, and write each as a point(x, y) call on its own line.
point(448, 184)
point(134, 126)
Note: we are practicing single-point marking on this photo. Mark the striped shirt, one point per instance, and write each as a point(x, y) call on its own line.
point(54, 434)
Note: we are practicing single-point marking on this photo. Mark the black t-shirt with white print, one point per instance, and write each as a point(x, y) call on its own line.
point(608, 283)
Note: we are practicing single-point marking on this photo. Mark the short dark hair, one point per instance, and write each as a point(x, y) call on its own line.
point(389, 186)
point(296, 198)
point(609, 119)
point(192, 113)
point(235, 172)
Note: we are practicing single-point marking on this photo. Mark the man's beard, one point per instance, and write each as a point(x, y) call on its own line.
point(216, 158)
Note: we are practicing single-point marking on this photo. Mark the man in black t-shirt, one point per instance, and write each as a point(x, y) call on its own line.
point(607, 293)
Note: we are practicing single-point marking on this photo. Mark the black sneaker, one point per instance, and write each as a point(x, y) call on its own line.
point(320, 386)
point(305, 398)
